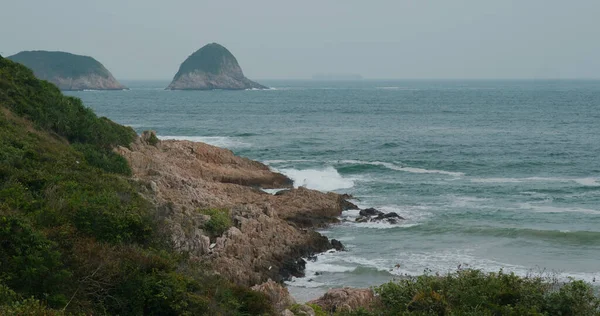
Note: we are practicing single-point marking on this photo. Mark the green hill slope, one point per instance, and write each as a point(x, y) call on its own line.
point(75, 235)
point(68, 71)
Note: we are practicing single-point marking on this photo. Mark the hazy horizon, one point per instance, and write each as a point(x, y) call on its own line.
point(148, 40)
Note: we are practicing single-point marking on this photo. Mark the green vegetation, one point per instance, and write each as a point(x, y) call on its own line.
point(219, 222)
point(472, 292)
point(47, 65)
point(209, 59)
point(297, 309)
point(75, 235)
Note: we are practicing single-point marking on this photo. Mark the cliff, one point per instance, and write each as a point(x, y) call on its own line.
point(68, 71)
point(212, 67)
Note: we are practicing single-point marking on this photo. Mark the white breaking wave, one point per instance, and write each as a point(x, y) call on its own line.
point(280, 161)
point(553, 209)
point(326, 179)
point(272, 191)
point(581, 181)
point(592, 182)
point(400, 168)
point(219, 141)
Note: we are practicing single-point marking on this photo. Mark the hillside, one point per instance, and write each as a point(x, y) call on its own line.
point(68, 71)
point(77, 237)
point(211, 67)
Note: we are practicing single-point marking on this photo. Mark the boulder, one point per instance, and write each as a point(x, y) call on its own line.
point(370, 212)
point(345, 299)
point(277, 294)
point(337, 245)
point(373, 215)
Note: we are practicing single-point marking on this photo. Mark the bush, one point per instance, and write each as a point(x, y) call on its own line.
point(31, 264)
point(472, 292)
point(219, 222)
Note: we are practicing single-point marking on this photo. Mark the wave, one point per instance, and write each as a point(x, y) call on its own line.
point(257, 89)
point(397, 88)
point(245, 134)
point(272, 191)
point(326, 179)
point(392, 166)
point(282, 161)
point(219, 141)
point(387, 165)
point(580, 181)
point(351, 266)
point(554, 209)
point(563, 236)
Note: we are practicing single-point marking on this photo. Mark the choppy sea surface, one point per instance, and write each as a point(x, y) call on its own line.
point(488, 174)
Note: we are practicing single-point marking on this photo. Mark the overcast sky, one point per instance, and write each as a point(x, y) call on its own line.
point(149, 39)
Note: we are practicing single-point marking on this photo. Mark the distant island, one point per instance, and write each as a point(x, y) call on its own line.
point(68, 71)
point(212, 67)
point(329, 77)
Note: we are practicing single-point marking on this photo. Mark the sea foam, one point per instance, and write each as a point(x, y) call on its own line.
point(219, 141)
point(395, 167)
point(326, 179)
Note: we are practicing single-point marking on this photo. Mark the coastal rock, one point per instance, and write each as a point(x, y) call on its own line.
point(337, 245)
point(68, 71)
point(370, 212)
point(211, 67)
point(345, 299)
point(270, 233)
point(373, 215)
point(277, 294)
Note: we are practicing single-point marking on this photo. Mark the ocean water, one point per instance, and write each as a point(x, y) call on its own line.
point(488, 174)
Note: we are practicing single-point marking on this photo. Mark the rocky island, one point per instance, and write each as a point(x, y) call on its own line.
point(212, 67)
point(68, 71)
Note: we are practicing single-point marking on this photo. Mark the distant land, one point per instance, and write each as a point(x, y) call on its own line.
point(333, 76)
point(212, 67)
point(68, 71)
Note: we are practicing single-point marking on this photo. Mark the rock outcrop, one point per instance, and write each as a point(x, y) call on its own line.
point(277, 294)
point(68, 71)
point(212, 67)
point(345, 299)
point(374, 215)
point(268, 236)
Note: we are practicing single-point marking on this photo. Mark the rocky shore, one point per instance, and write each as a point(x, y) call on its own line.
point(270, 234)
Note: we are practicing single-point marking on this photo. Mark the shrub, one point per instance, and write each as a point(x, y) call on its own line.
point(473, 292)
point(219, 222)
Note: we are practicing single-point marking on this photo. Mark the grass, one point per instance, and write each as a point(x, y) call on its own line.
point(219, 222)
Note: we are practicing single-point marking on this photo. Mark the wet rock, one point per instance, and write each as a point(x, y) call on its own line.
point(370, 212)
point(392, 218)
point(345, 204)
point(337, 245)
point(374, 215)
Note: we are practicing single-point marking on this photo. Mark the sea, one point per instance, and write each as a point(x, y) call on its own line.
point(491, 175)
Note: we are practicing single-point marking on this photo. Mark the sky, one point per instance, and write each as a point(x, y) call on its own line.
point(278, 39)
